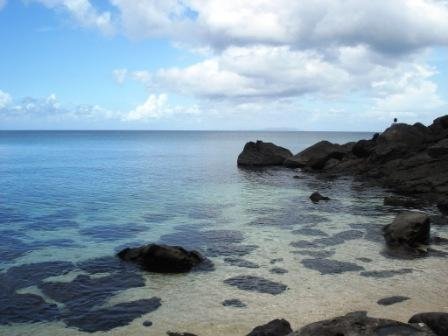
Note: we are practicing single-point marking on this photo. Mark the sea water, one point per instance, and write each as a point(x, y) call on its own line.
point(68, 198)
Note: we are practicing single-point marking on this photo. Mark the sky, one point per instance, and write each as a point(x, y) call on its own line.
point(343, 65)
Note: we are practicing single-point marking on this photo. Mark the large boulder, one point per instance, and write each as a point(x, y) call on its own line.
point(409, 230)
point(316, 156)
point(359, 324)
point(399, 140)
point(437, 322)
point(259, 154)
point(162, 258)
point(278, 327)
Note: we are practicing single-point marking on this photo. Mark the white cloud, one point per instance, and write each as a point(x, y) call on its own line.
point(5, 99)
point(387, 26)
point(83, 13)
point(120, 75)
point(156, 107)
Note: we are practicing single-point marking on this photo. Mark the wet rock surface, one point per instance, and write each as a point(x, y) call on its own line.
point(408, 232)
point(256, 284)
point(162, 258)
point(316, 197)
point(359, 324)
point(278, 327)
point(436, 321)
point(261, 154)
point(278, 270)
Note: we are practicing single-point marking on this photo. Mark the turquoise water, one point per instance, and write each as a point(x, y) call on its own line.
point(69, 198)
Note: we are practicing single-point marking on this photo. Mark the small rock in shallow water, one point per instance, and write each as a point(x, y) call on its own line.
point(363, 259)
point(170, 333)
point(162, 258)
point(274, 261)
point(408, 231)
point(316, 197)
point(328, 266)
point(240, 262)
point(437, 322)
point(256, 284)
point(233, 303)
point(278, 327)
point(147, 323)
point(278, 270)
point(392, 300)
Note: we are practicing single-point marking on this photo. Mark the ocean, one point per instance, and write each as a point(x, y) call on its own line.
point(69, 200)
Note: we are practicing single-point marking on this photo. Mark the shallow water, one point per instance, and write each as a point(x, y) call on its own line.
point(78, 196)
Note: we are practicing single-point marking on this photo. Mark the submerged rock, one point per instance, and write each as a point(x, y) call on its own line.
point(260, 154)
point(256, 284)
point(408, 231)
point(392, 300)
point(359, 324)
point(278, 327)
point(316, 197)
point(162, 258)
point(328, 266)
point(437, 322)
point(233, 303)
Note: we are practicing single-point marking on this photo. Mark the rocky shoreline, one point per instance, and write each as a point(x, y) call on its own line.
point(410, 159)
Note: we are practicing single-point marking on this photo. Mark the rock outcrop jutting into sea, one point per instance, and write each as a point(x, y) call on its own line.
point(411, 159)
point(261, 154)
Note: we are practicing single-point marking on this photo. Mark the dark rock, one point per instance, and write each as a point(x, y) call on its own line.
point(392, 300)
point(439, 149)
point(437, 322)
point(278, 327)
point(409, 230)
point(316, 156)
point(240, 262)
point(443, 207)
point(260, 154)
point(328, 266)
point(105, 319)
point(233, 303)
point(147, 323)
point(316, 197)
point(386, 273)
point(363, 148)
point(359, 324)
point(363, 259)
point(256, 284)
point(26, 308)
point(402, 201)
point(162, 258)
point(278, 270)
point(170, 333)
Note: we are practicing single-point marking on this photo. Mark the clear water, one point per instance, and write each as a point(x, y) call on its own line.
point(77, 196)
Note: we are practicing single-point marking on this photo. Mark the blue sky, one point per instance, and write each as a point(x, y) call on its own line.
point(209, 64)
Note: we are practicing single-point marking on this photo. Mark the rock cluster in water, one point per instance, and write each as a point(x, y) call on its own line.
point(412, 159)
